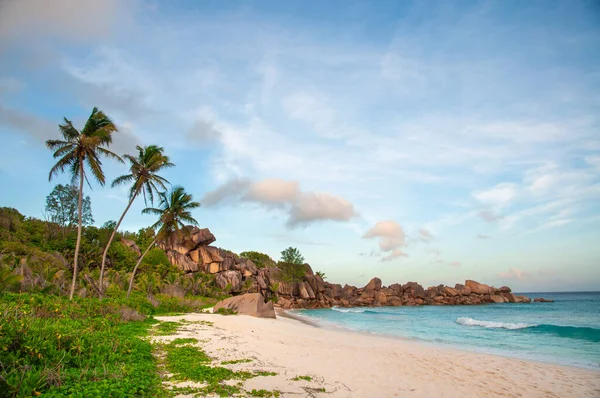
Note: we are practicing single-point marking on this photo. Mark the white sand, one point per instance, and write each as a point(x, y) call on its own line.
point(351, 364)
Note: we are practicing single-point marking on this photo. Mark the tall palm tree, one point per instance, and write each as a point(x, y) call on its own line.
point(143, 171)
point(174, 211)
point(77, 149)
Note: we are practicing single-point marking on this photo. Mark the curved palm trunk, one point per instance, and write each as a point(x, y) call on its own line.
point(136, 267)
point(79, 225)
point(112, 236)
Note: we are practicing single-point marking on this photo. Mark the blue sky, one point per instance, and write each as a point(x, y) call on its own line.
point(426, 141)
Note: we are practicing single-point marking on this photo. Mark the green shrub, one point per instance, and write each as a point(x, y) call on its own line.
point(291, 273)
point(225, 311)
point(261, 260)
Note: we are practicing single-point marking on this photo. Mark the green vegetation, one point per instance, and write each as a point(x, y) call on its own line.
point(264, 373)
point(261, 260)
point(82, 348)
point(306, 378)
point(292, 255)
point(225, 311)
point(290, 272)
point(190, 363)
point(321, 274)
point(235, 361)
point(166, 328)
point(35, 256)
point(61, 207)
point(264, 393)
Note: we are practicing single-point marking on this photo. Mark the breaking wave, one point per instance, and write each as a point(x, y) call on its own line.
point(572, 332)
point(491, 324)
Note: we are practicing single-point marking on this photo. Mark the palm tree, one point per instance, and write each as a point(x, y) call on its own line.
point(77, 149)
point(174, 211)
point(143, 174)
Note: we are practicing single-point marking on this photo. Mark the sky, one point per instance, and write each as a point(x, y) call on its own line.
point(427, 141)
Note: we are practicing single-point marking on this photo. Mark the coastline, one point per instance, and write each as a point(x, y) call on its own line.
point(349, 364)
point(294, 314)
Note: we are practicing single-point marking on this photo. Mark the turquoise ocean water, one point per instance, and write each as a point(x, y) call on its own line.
point(565, 332)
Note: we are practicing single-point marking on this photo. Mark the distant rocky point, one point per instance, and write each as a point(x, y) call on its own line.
point(237, 275)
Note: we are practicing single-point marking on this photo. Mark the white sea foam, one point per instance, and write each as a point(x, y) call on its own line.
point(492, 325)
point(354, 310)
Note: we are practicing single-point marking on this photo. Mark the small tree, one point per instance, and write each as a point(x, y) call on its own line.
point(61, 207)
point(321, 274)
point(292, 255)
point(261, 260)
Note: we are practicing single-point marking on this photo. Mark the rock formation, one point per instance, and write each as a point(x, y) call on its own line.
point(236, 275)
point(252, 304)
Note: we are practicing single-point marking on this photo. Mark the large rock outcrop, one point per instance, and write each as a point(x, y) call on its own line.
point(236, 275)
point(252, 304)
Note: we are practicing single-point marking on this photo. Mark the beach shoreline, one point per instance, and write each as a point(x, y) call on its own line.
point(353, 364)
point(294, 314)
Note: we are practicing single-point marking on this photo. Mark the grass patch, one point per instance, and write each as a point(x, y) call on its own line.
point(263, 373)
point(264, 393)
point(166, 328)
point(179, 341)
point(233, 362)
point(190, 363)
point(305, 378)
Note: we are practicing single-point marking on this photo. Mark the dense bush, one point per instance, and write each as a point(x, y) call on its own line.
point(291, 272)
point(261, 260)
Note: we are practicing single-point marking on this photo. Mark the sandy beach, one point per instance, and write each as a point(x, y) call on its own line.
point(348, 364)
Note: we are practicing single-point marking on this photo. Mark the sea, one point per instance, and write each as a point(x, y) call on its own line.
point(565, 332)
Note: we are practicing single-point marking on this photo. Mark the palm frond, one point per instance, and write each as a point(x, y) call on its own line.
point(65, 161)
point(67, 130)
point(110, 154)
point(95, 166)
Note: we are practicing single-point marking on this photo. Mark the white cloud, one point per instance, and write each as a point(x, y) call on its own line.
point(500, 195)
point(391, 238)
point(273, 191)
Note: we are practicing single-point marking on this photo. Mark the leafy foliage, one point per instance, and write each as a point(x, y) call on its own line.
point(290, 272)
point(81, 348)
point(261, 260)
point(61, 207)
point(292, 255)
